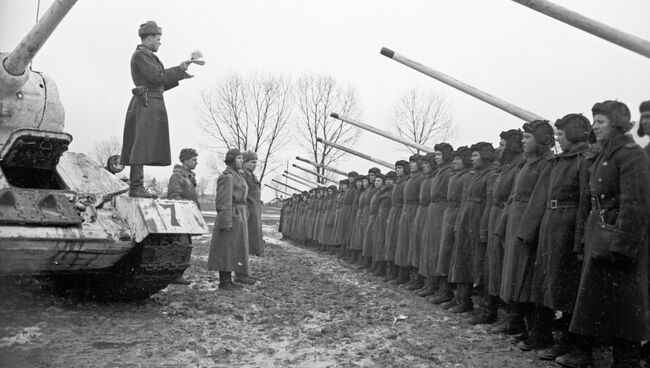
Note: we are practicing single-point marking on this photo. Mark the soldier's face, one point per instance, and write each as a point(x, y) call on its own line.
point(344, 187)
point(529, 143)
point(413, 166)
point(153, 42)
point(366, 183)
point(477, 161)
point(191, 163)
point(251, 165)
point(330, 192)
point(501, 148)
point(359, 184)
point(378, 182)
point(458, 163)
point(562, 140)
point(645, 123)
point(439, 158)
point(426, 167)
point(371, 178)
point(390, 182)
point(239, 162)
point(603, 128)
point(399, 170)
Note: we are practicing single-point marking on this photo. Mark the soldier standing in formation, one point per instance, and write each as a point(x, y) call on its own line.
point(146, 130)
point(254, 203)
point(546, 235)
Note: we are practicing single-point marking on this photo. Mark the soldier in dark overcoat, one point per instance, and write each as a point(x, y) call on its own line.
point(381, 222)
point(402, 169)
point(468, 256)
point(557, 268)
point(461, 166)
point(229, 246)
point(520, 231)
point(406, 220)
point(366, 234)
point(612, 299)
point(343, 188)
point(254, 203)
point(359, 220)
point(369, 238)
point(510, 160)
point(345, 214)
point(435, 211)
point(146, 131)
point(420, 223)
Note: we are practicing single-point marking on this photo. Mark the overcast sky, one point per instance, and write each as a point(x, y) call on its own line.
point(499, 46)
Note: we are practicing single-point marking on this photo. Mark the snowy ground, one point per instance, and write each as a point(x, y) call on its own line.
point(308, 310)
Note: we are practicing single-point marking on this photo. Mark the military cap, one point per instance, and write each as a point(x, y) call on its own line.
point(333, 188)
point(430, 158)
point(576, 127)
point(446, 149)
point(415, 158)
point(465, 155)
point(344, 182)
point(381, 176)
point(486, 150)
point(391, 175)
point(644, 108)
point(353, 173)
point(231, 155)
point(617, 112)
point(374, 170)
point(149, 28)
point(513, 139)
point(187, 153)
point(249, 156)
point(542, 131)
point(404, 165)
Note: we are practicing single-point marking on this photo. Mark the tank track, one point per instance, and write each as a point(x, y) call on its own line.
point(150, 267)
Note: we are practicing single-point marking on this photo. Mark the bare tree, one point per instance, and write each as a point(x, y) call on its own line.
point(201, 187)
point(424, 118)
point(102, 150)
point(317, 97)
point(249, 114)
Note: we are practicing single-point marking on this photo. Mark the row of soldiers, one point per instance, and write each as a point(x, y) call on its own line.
point(559, 241)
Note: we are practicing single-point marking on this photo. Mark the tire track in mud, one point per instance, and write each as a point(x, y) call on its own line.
point(307, 310)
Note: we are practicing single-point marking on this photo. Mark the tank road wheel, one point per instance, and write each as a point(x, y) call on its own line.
point(152, 265)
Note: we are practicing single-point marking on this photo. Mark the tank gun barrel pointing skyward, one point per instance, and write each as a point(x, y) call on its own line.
point(356, 153)
point(596, 28)
point(18, 60)
point(470, 90)
point(287, 185)
point(314, 173)
point(306, 181)
point(321, 165)
point(382, 133)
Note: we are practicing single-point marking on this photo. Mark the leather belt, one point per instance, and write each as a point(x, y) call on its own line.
point(521, 198)
point(555, 204)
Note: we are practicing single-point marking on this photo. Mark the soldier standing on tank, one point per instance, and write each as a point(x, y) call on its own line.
point(254, 201)
point(146, 131)
point(644, 123)
point(182, 185)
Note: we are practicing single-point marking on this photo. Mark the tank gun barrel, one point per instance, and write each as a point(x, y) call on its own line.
point(356, 153)
point(278, 190)
point(596, 28)
point(300, 181)
point(382, 133)
point(287, 185)
point(321, 165)
point(470, 90)
point(17, 61)
point(314, 173)
point(303, 180)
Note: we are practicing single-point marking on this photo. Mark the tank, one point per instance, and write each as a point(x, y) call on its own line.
point(63, 217)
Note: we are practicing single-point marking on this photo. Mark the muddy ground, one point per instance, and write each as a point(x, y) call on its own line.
point(308, 310)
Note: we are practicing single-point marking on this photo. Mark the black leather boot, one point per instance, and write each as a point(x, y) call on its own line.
point(444, 294)
point(465, 303)
point(402, 276)
point(627, 354)
point(225, 281)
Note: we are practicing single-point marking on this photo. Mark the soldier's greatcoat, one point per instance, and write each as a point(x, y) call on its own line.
point(229, 247)
point(368, 235)
point(613, 292)
point(381, 222)
point(407, 217)
point(501, 189)
point(435, 214)
point(359, 221)
point(345, 216)
point(420, 221)
point(521, 230)
point(146, 131)
point(392, 227)
point(468, 257)
point(457, 181)
point(254, 203)
point(329, 220)
point(557, 269)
